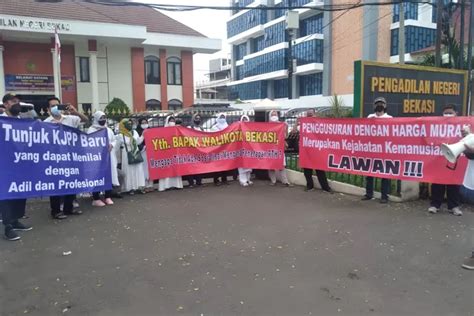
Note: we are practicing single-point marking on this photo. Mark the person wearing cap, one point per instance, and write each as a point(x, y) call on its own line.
point(73, 120)
point(12, 210)
point(380, 112)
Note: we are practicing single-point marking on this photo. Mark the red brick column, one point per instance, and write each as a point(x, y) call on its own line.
point(187, 78)
point(138, 79)
point(163, 80)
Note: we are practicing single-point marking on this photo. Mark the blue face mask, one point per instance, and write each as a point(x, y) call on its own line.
point(55, 111)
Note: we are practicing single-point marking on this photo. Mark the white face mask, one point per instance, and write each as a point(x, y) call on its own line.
point(144, 126)
point(274, 118)
point(221, 120)
point(448, 115)
point(171, 124)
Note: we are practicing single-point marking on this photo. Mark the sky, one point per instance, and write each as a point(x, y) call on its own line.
point(211, 23)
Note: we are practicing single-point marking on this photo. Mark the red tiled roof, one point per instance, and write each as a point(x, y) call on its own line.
point(154, 21)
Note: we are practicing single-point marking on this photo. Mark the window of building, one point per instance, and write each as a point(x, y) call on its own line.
point(175, 104)
point(152, 70)
point(84, 69)
point(174, 71)
point(153, 105)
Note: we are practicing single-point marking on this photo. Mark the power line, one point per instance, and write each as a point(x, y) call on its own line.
point(184, 8)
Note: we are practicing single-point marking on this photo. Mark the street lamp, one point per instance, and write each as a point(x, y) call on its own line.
point(292, 25)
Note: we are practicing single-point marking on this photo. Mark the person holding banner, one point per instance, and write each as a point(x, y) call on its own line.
point(12, 210)
point(175, 182)
point(438, 191)
point(195, 179)
point(380, 112)
point(220, 126)
point(99, 122)
point(141, 127)
point(275, 175)
point(132, 160)
point(245, 173)
point(73, 120)
point(308, 173)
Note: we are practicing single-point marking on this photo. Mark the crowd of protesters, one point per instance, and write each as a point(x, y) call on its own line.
point(129, 167)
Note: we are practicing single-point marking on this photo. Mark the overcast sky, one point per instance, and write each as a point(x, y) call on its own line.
point(211, 23)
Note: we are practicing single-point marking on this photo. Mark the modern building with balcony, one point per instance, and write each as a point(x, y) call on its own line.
point(214, 87)
point(324, 47)
point(260, 51)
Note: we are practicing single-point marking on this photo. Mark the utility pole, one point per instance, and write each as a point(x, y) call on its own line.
point(469, 58)
point(439, 22)
point(401, 33)
point(290, 64)
point(461, 40)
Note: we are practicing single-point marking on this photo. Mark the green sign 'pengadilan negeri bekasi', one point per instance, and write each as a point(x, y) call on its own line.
point(409, 90)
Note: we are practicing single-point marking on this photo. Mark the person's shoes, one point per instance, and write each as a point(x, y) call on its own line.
point(191, 186)
point(132, 192)
point(75, 204)
point(98, 203)
point(250, 183)
point(309, 190)
point(245, 184)
point(109, 201)
point(18, 226)
point(11, 235)
point(217, 184)
point(433, 210)
point(75, 212)
point(456, 211)
point(383, 201)
point(25, 217)
point(59, 216)
point(273, 184)
point(288, 185)
point(468, 264)
point(366, 198)
point(328, 191)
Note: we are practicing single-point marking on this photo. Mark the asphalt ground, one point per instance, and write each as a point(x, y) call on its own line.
point(240, 251)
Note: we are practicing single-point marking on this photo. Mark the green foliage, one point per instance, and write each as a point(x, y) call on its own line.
point(338, 109)
point(117, 108)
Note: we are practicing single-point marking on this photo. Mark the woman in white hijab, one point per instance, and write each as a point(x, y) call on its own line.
point(220, 125)
point(278, 174)
point(99, 122)
point(245, 173)
point(169, 183)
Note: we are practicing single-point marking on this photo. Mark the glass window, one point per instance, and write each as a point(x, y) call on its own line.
point(174, 71)
point(175, 104)
point(153, 105)
point(152, 70)
point(84, 69)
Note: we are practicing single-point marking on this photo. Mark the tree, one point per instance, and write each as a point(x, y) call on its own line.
point(338, 109)
point(117, 109)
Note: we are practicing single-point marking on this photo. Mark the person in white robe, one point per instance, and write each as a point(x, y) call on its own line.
point(128, 140)
point(245, 173)
point(280, 175)
point(141, 127)
point(221, 124)
point(175, 182)
point(99, 122)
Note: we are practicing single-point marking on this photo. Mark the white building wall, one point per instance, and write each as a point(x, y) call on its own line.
point(175, 92)
point(120, 73)
point(153, 91)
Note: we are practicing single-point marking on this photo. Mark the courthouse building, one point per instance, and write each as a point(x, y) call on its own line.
point(134, 53)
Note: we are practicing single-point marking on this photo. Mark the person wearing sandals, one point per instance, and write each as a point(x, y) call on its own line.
point(133, 174)
point(74, 119)
point(275, 175)
point(99, 121)
point(175, 182)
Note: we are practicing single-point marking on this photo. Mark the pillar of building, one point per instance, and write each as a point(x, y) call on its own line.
point(138, 79)
point(164, 80)
point(94, 74)
point(2, 73)
point(187, 77)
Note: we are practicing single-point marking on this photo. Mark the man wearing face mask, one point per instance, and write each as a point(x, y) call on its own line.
point(452, 191)
point(12, 210)
point(195, 179)
point(380, 112)
point(73, 120)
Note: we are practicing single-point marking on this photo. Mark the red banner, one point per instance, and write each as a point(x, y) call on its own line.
point(178, 151)
point(392, 148)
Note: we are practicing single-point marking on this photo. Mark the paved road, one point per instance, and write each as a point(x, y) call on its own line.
point(240, 251)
